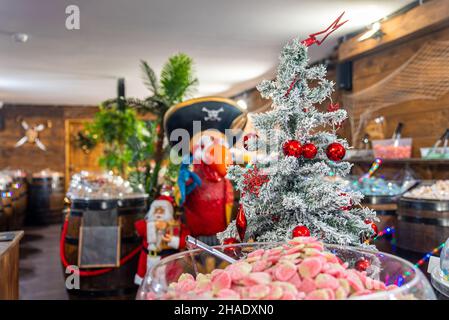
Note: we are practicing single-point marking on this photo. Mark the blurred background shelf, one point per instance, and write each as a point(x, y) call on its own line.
point(403, 161)
point(425, 169)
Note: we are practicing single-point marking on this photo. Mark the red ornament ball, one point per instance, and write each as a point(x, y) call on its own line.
point(241, 223)
point(373, 226)
point(335, 151)
point(375, 229)
point(309, 151)
point(247, 137)
point(362, 264)
point(292, 148)
point(232, 250)
point(230, 241)
point(301, 231)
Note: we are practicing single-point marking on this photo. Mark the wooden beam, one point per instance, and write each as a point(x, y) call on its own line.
point(425, 18)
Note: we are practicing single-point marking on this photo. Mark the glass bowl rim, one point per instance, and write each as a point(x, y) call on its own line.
point(372, 296)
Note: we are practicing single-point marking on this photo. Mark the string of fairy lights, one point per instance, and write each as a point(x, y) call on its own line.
point(424, 259)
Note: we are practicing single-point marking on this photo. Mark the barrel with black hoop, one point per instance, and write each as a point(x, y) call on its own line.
point(19, 203)
point(45, 199)
point(3, 220)
point(422, 224)
point(6, 200)
point(118, 282)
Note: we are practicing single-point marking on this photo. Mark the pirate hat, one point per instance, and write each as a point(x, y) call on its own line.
point(212, 113)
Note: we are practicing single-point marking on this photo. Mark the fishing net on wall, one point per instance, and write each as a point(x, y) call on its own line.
point(424, 76)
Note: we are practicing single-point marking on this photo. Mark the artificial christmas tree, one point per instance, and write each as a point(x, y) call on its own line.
point(294, 190)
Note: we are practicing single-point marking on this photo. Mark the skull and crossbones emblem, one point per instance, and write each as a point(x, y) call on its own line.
point(212, 115)
point(31, 135)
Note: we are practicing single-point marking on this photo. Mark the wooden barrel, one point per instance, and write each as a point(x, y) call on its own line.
point(3, 220)
point(19, 202)
point(118, 283)
point(45, 200)
point(6, 197)
point(385, 207)
point(422, 224)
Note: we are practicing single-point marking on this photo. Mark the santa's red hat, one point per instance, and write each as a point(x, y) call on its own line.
point(166, 198)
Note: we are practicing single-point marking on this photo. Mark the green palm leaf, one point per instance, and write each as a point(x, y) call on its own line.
point(177, 79)
point(149, 77)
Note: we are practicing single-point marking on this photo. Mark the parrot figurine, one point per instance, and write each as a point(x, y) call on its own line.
point(206, 195)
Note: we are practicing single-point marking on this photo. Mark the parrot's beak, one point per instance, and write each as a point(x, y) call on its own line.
point(219, 158)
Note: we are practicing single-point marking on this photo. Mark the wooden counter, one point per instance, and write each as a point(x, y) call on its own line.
point(9, 267)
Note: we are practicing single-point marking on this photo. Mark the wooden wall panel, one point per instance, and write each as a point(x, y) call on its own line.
point(430, 16)
point(28, 156)
point(424, 120)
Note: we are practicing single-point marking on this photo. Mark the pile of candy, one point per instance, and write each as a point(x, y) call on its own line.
point(92, 185)
point(5, 181)
point(376, 187)
point(299, 270)
point(47, 173)
point(438, 191)
point(392, 152)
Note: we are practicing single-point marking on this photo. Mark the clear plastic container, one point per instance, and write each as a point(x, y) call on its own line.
point(437, 153)
point(393, 149)
point(387, 268)
point(102, 186)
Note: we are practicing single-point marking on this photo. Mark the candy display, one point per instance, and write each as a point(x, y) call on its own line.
point(5, 181)
point(392, 149)
point(47, 173)
point(92, 185)
point(437, 191)
point(376, 187)
point(301, 269)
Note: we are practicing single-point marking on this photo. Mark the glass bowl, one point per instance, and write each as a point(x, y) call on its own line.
point(385, 267)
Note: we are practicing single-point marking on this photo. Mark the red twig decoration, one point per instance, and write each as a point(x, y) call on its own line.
point(312, 40)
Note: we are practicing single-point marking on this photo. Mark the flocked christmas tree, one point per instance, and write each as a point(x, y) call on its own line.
point(288, 193)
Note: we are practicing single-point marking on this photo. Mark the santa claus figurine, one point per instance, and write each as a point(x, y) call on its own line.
point(208, 207)
point(161, 234)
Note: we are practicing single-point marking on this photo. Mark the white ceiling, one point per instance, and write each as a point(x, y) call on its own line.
point(231, 41)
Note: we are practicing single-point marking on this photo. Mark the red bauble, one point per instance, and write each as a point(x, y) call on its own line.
point(373, 226)
point(309, 151)
point(375, 229)
point(232, 250)
point(292, 148)
point(362, 264)
point(335, 151)
point(230, 241)
point(240, 222)
point(247, 137)
point(301, 231)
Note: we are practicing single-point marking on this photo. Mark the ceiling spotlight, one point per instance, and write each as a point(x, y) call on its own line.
point(242, 104)
point(19, 37)
point(373, 32)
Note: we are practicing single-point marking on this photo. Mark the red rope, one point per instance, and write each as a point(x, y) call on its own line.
point(292, 84)
point(92, 273)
